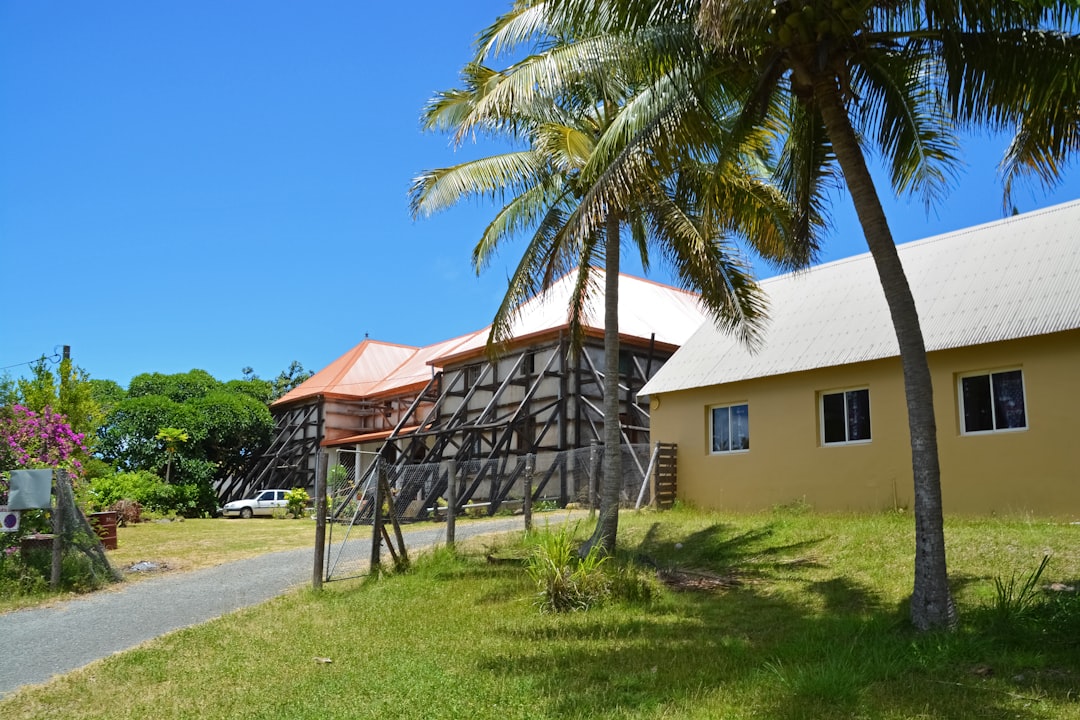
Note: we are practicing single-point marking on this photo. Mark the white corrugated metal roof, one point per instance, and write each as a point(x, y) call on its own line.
point(1013, 278)
point(645, 308)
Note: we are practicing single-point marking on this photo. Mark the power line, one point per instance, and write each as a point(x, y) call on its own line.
point(54, 359)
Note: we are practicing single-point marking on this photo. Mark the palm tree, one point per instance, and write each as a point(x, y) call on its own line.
point(585, 173)
point(172, 437)
point(833, 78)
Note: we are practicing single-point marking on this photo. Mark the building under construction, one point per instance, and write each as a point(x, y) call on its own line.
point(423, 406)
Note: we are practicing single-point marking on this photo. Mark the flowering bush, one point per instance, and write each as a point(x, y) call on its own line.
point(30, 439)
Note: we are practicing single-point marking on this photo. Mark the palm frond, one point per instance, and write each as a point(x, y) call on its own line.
point(525, 24)
point(524, 212)
point(584, 290)
point(898, 105)
point(806, 172)
point(492, 176)
point(1023, 82)
point(703, 261)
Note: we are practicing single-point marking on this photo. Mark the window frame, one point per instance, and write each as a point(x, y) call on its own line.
point(712, 421)
point(844, 392)
point(962, 415)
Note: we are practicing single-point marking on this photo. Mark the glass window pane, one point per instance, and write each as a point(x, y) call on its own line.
point(832, 417)
point(858, 414)
point(740, 427)
point(1009, 400)
point(721, 431)
point(978, 414)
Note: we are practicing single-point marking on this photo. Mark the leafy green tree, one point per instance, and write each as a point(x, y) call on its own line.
point(68, 392)
point(180, 387)
point(581, 177)
point(286, 380)
point(225, 427)
point(9, 391)
point(289, 378)
point(837, 80)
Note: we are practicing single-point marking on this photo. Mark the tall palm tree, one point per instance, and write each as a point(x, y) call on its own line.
point(835, 79)
point(584, 174)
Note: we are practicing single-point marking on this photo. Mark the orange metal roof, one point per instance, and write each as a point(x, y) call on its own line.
point(355, 374)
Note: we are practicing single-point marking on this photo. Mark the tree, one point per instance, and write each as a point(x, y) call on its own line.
point(581, 176)
point(172, 439)
point(68, 392)
point(225, 426)
point(836, 79)
point(289, 378)
point(271, 390)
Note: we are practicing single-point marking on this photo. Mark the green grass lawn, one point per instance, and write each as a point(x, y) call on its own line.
point(194, 544)
point(805, 618)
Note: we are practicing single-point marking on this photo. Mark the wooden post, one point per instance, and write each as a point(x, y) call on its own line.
point(594, 475)
point(526, 504)
point(377, 524)
point(401, 556)
point(652, 478)
point(317, 570)
point(451, 502)
point(58, 537)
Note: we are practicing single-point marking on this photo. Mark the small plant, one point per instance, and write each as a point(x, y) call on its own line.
point(545, 506)
point(1014, 600)
point(566, 581)
point(296, 500)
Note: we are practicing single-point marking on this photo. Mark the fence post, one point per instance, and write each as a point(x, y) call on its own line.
point(58, 533)
point(526, 504)
point(317, 570)
point(451, 502)
point(594, 464)
point(377, 523)
point(655, 502)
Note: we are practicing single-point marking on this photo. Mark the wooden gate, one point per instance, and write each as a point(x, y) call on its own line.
point(666, 474)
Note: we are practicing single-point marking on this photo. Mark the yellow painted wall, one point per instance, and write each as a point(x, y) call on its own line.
point(1035, 470)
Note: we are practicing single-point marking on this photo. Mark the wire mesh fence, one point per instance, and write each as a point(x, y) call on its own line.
point(482, 488)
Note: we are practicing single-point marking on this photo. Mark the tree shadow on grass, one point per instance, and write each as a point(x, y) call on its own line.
point(847, 653)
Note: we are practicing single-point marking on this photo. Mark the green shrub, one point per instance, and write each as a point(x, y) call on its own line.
point(151, 492)
point(296, 500)
point(28, 573)
point(566, 581)
point(141, 486)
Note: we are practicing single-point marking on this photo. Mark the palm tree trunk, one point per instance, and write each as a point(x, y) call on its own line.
point(607, 524)
point(931, 602)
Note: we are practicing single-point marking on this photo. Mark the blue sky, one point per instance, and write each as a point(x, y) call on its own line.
point(219, 185)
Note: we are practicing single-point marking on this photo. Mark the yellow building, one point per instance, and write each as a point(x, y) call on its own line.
point(817, 414)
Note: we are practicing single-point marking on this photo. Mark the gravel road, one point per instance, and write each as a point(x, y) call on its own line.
point(42, 642)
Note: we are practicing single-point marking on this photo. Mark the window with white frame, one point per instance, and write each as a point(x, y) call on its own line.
point(730, 428)
point(992, 401)
point(845, 417)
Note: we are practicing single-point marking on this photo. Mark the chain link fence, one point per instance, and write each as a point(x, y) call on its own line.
point(484, 488)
